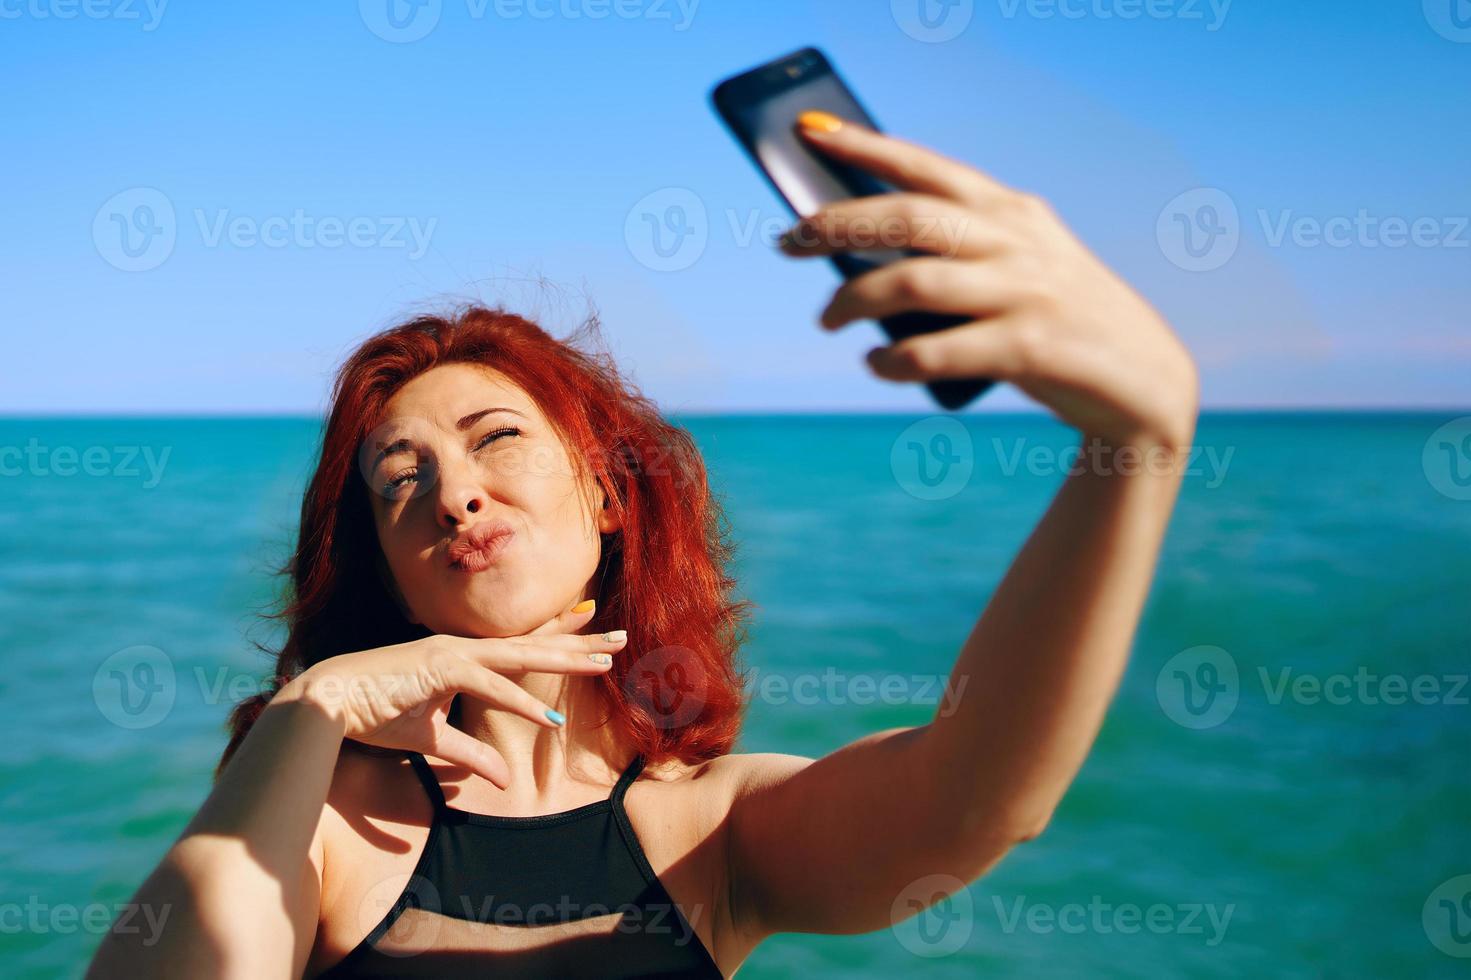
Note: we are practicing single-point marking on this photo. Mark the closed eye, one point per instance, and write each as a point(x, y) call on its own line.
point(492, 436)
point(396, 484)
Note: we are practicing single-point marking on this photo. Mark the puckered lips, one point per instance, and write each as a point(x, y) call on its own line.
point(476, 548)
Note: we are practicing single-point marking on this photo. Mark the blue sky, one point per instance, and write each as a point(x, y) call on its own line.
point(322, 173)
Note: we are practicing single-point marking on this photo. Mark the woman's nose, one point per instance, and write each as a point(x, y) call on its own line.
point(459, 497)
point(453, 514)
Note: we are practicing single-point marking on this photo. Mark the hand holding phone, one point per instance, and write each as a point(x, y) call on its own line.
point(1033, 306)
point(761, 107)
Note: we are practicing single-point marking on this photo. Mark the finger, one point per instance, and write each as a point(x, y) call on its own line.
point(995, 349)
point(568, 620)
point(497, 691)
point(901, 163)
point(460, 749)
point(932, 284)
point(561, 654)
point(899, 220)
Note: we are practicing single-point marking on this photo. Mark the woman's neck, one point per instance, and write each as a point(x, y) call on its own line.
point(549, 766)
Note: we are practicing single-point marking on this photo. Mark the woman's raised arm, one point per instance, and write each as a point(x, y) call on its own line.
point(830, 845)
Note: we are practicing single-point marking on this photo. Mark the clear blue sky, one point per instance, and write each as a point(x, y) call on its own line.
point(519, 138)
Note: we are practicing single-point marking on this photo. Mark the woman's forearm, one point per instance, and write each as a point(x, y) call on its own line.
point(236, 891)
point(1043, 662)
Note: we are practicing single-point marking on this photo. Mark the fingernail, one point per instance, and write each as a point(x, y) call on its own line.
point(615, 636)
point(817, 121)
point(600, 658)
point(556, 717)
point(879, 358)
point(586, 605)
point(794, 236)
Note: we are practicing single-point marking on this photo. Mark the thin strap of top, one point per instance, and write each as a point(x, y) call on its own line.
point(626, 780)
point(426, 776)
point(436, 792)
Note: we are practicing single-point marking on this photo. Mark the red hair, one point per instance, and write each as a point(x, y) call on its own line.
point(663, 575)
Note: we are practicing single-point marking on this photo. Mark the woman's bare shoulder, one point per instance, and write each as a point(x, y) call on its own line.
point(717, 783)
point(375, 818)
point(362, 767)
point(372, 783)
point(373, 801)
point(683, 815)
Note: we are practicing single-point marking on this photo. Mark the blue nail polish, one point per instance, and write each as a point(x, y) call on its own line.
point(556, 716)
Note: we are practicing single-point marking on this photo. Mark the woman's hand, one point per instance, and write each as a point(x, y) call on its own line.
point(1050, 317)
point(399, 696)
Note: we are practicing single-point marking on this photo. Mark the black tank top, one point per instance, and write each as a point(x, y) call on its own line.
point(563, 895)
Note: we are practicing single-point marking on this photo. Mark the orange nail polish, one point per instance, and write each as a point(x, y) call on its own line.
point(815, 120)
point(586, 605)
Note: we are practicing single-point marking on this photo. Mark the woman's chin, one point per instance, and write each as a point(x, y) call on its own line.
point(491, 617)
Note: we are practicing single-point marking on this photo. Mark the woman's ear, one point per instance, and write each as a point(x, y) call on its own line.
point(386, 577)
point(608, 521)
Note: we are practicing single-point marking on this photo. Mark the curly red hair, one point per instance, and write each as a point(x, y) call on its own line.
point(663, 575)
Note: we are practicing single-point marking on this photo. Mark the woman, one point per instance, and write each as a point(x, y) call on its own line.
point(501, 740)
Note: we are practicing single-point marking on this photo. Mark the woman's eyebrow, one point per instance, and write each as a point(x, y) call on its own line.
point(474, 417)
point(397, 446)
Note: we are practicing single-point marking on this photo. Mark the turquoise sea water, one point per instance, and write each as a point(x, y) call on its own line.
point(1281, 788)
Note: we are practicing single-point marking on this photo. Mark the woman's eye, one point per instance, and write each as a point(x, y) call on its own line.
point(394, 486)
point(492, 436)
point(398, 482)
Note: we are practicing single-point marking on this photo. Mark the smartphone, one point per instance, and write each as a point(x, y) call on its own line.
point(760, 107)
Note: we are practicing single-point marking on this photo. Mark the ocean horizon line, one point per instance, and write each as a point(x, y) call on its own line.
point(1232, 411)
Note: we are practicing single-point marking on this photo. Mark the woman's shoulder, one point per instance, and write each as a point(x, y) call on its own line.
point(372, 824)
point(370, 780)
point(719, 782)
point(744, 767)
point(371, 790)
point(356, 762)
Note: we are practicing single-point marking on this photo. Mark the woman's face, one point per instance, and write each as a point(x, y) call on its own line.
point(462, 447)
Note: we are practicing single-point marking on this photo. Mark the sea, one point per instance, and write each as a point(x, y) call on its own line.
point(1281, 787)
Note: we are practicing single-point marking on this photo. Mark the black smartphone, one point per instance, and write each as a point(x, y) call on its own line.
point(760, 107)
